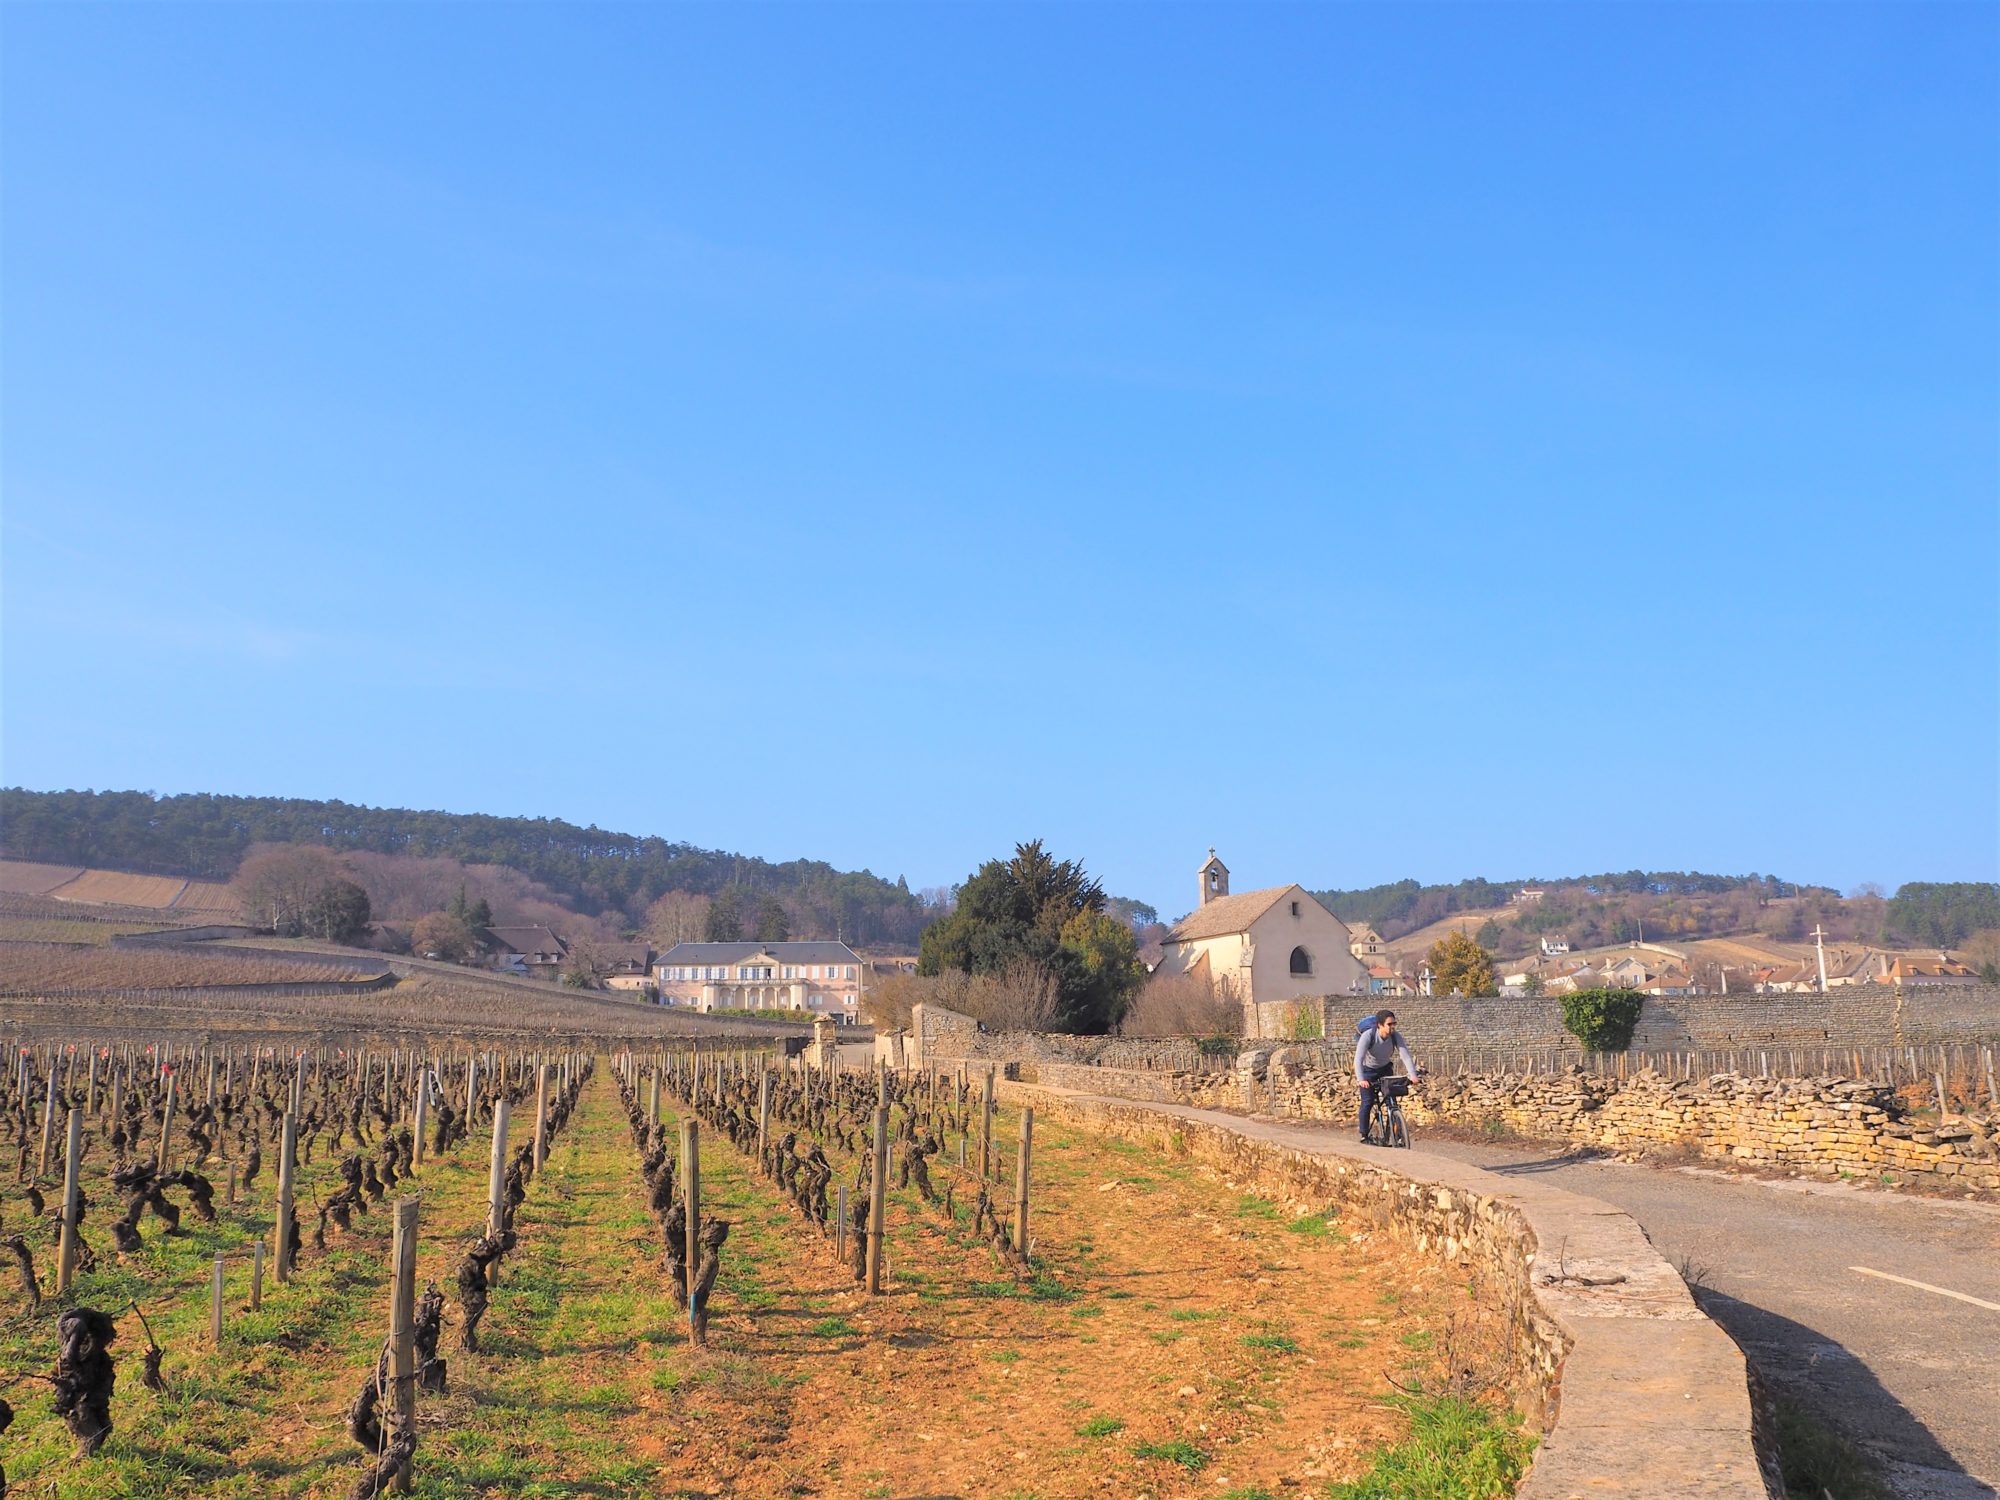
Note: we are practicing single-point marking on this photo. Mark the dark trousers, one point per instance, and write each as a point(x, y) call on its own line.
point(1370, 1076)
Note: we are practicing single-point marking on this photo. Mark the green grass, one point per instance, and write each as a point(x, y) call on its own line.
point(1179, 1451)
point(832, 1328)
point(1277, 1343)
point(1313, 1226)
point(1098, 1427)
point(1818, 1461)
point(1456, 1450)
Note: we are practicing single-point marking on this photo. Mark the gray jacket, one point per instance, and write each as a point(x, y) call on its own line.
point(1375, 1050)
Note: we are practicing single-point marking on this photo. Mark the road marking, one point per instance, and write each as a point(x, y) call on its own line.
point(1925, 1286)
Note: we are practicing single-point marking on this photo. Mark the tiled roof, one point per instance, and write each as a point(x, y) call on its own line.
point(526, 939)
point(821, 952)
point(1226, 914)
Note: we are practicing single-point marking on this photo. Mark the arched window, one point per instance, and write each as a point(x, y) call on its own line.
point(1302, 961)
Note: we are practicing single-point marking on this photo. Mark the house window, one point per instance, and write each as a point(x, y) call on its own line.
point(1302, 962)
point(1295, 908)
point(850, 971)
point(788, 971)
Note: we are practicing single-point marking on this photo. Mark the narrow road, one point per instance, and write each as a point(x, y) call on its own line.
point(1803, 1276)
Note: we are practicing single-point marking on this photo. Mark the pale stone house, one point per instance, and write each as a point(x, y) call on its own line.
point(1264, 949)
point(822, 978)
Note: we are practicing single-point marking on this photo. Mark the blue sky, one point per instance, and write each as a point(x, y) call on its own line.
point(1373, 441)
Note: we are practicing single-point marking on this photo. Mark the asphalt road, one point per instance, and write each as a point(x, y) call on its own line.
point(1910, 1373)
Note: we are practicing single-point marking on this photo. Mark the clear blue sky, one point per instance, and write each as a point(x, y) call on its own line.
point(1371, 440)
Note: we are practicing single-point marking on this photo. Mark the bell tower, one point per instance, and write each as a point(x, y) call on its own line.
point(1214, 876)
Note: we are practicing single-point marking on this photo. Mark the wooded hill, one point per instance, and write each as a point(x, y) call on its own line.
point(1591, 910)
point(205, 836)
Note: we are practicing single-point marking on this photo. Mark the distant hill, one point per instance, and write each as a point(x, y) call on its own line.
point(1665, 906)
point(203, 836)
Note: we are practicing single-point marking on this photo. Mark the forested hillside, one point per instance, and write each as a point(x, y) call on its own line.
point(205, 836)
point(1667, 905)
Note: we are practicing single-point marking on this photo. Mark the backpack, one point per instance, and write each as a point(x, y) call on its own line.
point(1365, 1025)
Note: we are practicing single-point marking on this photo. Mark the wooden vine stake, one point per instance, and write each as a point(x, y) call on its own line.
point(66, 1253)
point(1021, 1185)
point(541, 1115)
point(402, 1329)
point(215, 1306)
point(49, 1116)
point(422, 1114)
point(878, 1193)
point(288, 1151)
point(496, 1183)
point(986, 1133)
point(691, 1201)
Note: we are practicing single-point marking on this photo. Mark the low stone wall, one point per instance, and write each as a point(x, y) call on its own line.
point(1828, 1127)
point(1865, 1016)
point(938, 1035)
point(1587, 1311)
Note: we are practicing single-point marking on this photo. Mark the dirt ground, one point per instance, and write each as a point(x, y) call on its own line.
point(1178, 1338)
point(1181, 1338)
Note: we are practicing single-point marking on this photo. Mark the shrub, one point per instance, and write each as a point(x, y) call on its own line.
point(1602, 1020)
point(1456, 1450)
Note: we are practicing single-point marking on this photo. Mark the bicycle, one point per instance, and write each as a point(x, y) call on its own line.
point(1386, 1125)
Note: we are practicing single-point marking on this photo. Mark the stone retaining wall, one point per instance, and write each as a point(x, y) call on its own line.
point(1863, 1016)
point(1830, 1127)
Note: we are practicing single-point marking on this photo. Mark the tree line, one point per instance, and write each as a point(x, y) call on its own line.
point(206, 835)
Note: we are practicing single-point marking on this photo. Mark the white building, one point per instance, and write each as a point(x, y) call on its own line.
point(1263, 948)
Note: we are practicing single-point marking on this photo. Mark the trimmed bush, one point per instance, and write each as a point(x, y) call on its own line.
point(1603, 1020)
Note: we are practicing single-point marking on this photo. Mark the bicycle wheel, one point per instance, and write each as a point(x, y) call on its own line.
point(1395, 1133)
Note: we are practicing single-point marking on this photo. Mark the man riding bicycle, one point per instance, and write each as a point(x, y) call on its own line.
point(1375, 1053)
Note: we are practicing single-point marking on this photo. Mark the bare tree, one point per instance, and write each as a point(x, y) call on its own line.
point(676, 917)
point(1182, 1005)
point(281, 884)
point(585, 965)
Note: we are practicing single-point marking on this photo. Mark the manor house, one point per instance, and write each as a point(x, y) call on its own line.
point(822, 978)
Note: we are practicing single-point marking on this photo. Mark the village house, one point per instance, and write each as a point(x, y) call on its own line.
point(819, 978)
point(1670, 984)
point(1627, 973)
point(1785, 979)
point(1365, 945)
point(1383, 980)
point(1567, 980)
point(1943, 970)
point(1554, 944)
point(527, 950)
point(1262, 949)
point(628, 966)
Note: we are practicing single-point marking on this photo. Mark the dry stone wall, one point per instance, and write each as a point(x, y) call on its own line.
point(1851, 1016)
point(1830, 1127)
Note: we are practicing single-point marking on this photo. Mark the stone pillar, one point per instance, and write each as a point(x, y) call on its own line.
point(825, 1042)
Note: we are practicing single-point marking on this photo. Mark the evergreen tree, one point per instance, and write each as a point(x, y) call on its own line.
point(1035, 909)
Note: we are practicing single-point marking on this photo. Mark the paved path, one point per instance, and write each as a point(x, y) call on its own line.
point(1912, 1374)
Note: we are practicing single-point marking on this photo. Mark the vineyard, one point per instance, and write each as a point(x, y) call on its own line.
point(36, 968)
point(18, 876)
point(660, 1269)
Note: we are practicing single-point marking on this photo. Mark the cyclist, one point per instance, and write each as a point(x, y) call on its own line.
point(1375, 1053)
